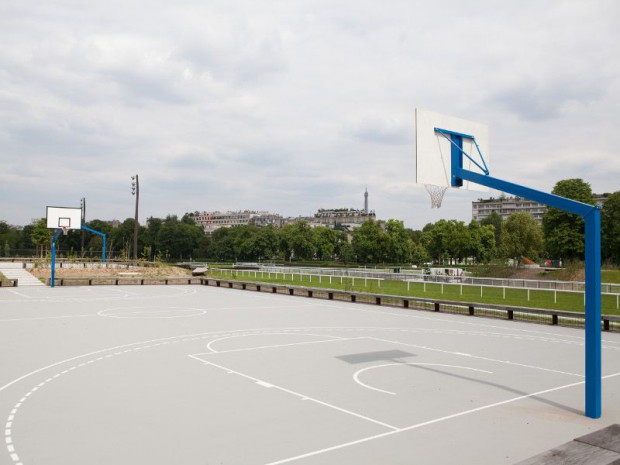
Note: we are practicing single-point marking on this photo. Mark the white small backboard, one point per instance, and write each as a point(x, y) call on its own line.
point(64, 217)
point(433, 150)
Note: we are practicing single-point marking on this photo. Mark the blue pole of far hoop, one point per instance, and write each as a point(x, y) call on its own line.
point(102, 236)
point(57, 233)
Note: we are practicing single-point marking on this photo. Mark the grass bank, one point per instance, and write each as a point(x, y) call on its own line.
point(535, 298)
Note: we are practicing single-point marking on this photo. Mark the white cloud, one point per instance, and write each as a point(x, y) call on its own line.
point(292, 106)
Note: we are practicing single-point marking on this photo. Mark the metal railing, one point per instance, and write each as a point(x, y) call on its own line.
point(576, 286)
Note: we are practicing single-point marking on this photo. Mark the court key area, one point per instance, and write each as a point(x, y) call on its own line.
point(208, 376)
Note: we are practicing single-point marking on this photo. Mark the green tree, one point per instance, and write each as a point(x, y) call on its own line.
point(522, 236)
point(325, 241)
point(369, 243)
point(447, 239)
point(223, 245)
point(563, 231)
point(150, 238)
point(495, 220)
point(121, 238)
point(610, 228)
point(177, 239)
point(297, 241)
point(266, 243)
point(9, 238)
point(344, 251)
point(419, 255)
point(482, 241)
point(398, 242)
point(25, 239)
point(41, 237)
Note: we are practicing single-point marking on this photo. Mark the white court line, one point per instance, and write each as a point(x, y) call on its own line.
point(208, 333)
point(430, 422)
point(478, 357)
point(359, 372)
point(408, 313)
point(172, 339)
point(244, 349)
point(20, 294)
point(296, 394)
point(45, 318)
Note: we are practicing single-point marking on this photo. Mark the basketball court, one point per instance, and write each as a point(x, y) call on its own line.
point(206, 375)
point(199, 375)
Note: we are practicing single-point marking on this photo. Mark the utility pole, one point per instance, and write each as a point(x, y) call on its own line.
point(135, 190)
point(83, 206)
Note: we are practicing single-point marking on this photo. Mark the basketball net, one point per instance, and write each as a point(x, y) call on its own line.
point(65, 230)
point(436, 193)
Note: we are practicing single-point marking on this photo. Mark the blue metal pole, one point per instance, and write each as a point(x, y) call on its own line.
point(57, 233)
point(456, 154)
point(593, 314)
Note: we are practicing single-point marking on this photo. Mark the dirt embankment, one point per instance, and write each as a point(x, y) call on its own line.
point(542, 274)
point(131, 271)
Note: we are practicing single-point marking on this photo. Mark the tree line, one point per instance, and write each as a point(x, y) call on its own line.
point(561, 236)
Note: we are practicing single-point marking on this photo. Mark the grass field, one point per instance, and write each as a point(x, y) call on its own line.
point(610, 276)
point(558, 300)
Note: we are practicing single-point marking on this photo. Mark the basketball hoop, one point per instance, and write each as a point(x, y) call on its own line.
point(65, 230)
point(436, 193)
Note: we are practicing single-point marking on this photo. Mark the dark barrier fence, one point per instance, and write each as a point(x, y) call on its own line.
point(525, 314)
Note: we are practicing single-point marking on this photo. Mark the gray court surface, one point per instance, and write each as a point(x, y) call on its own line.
point(204, 375)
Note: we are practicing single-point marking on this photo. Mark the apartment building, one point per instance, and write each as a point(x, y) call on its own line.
point(505, 206)
point(211, 221)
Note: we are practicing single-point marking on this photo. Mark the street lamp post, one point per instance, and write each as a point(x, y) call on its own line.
point(135, 190)
point(83, 208)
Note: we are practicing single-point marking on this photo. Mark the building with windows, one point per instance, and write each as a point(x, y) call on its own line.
point(505, 206)
point(344, 218)
point(211, 221)
point(338, 218)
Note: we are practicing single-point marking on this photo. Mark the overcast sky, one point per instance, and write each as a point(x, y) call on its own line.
point(294, 105)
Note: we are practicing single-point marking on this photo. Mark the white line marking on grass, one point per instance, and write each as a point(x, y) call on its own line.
point(427, 423)
point(359, 372)
point(296, 394)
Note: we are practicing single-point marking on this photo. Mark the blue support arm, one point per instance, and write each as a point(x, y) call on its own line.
point(592, 217)
point(562, 203)
point(103, 254)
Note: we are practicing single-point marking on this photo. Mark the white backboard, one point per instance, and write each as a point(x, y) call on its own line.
point(57, 217)
point(433, 151)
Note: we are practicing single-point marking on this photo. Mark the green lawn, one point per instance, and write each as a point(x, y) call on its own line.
point(571, 301)
point(610, 276)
